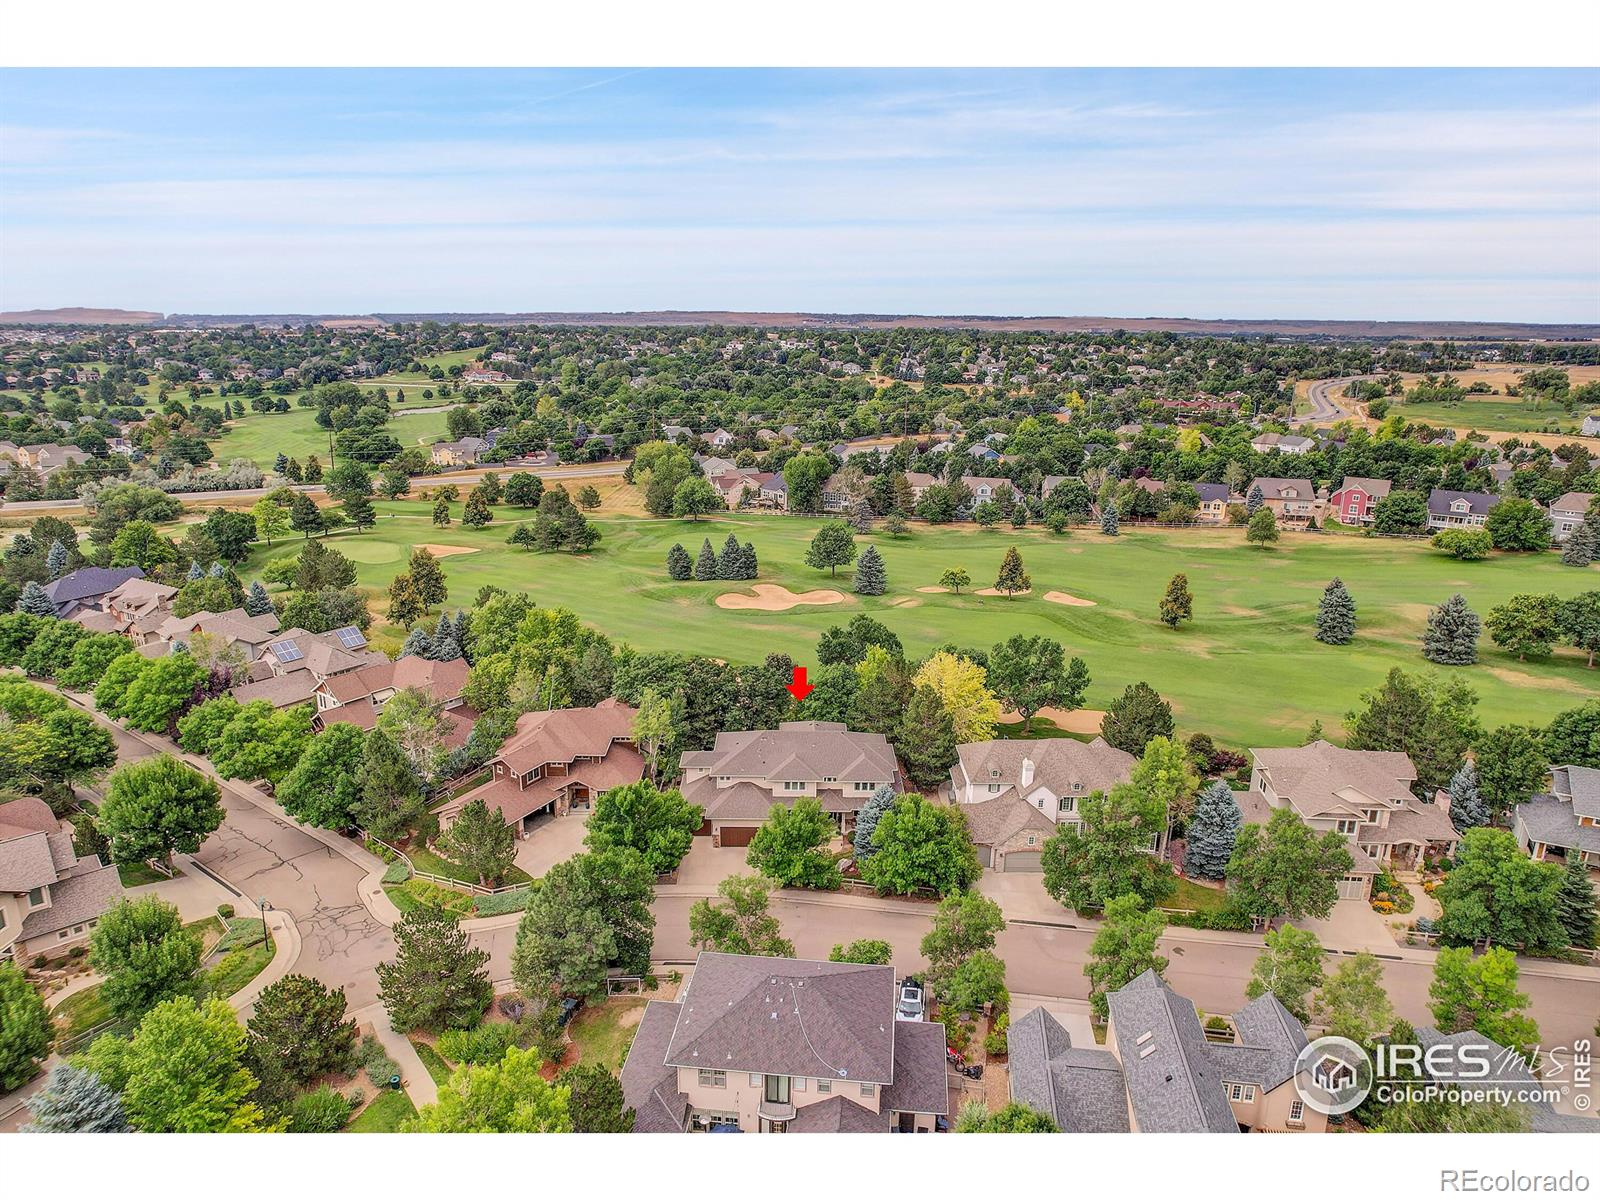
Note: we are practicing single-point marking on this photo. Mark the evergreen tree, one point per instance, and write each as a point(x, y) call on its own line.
point(748, 560)
point(705, 567)
point(1211, 832)
point(1254, 500)
point(195, 572)
point(871, 580)
point(441, 512)
point(1177, 605)
point(1012, 578)
point(926, 738)
point(73, 1100)
point(1108, 519)
point(730, 563)
point(437, 980)
point(281, 464)
point(34, 601)
point(256, 601)
point(1336, 615)
point(1575, 904)
point(418, 643)
point(861, 516)
point(679, 564)
point(1582, 546)
point(1467, 809)
point(55, 559)
point(1451, 637)
point(867, 821)
point(449, 639)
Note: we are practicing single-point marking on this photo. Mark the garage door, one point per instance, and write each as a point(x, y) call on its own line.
point(1021, 860)
point(1352, 887)
point(985, 855)
point(736, 835)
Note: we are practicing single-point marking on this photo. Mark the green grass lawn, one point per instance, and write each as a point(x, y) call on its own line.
point(81, 1011)
point(1192, 895)
point(425, 860)
point(138, 874)
point(261, 437)
point(1488, 413)
point(433, 1061)
point(1247, 669)
point(237, 968)
point(384, 1115)
point(603, 1032)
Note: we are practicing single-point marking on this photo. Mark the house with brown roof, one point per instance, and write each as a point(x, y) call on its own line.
point(1292, 501)
point(140, 606)
point(1567, 513)
point(785, 1045)
point(235, 626)
point(1014, 793)
point(50, 899)
point(556, 760)
point(322, 655)
point(739, 780)
point(1364, 795)
point(1355, 499)
point(357, 697)
point(1563, 823)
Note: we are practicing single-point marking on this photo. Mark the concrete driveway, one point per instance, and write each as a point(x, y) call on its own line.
point(1021, 896)
point(1352, 925)
point(706, 865)
point(553, 840)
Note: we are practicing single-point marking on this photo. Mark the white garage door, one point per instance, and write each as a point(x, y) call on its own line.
point(1352, 887)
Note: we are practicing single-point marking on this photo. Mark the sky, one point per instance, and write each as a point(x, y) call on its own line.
point(1361, 194)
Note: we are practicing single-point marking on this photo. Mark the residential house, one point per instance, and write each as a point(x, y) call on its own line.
point(1356, 497)
point(737, 782)
point(483, 375)
point(775, 494)
point(1364, 795)
point(1567, 513)
point(235, 626)
point(139, 606)
point(1214, 501)
point(677, 433)
point(720, 438)
point(711, 466)
point(1161, 1072)
point(1283, 443)
point(1014, 793)
point(1457, 510)
point(835, 498)
point(87, 588)
point(785, 1045)
point(50, 899)
point(1565, 821)
point(1590, 426)
point(463, 453)
point(357, 697)
point(49, 458)
point(982, 488)
point(1292, 501)
point(556, 760)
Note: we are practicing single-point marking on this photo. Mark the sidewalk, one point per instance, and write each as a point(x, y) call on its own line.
point(414, 1076)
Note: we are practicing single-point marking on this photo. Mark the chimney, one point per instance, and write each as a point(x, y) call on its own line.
point(1027, 773)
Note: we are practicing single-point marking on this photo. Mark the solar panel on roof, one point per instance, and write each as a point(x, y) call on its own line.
point(350, 637)
point(287, 651)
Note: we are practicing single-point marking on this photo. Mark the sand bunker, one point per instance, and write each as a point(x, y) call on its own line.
point(1064, 598)
point(998, 592)
point(1079, 720)
point(770, 597)
point(446, 551)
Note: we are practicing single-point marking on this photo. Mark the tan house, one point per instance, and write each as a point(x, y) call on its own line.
point(1364, 795)
point(50, 899)
point(1292, 501)
point(236, 627)
point(140, 606)
point(1014, 793)
point(556, 760)
point(1214, 501)
point(1565, 821)
point(737, 782)
point(785, 1045)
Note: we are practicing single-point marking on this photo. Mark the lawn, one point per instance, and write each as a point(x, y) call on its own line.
point(1246, 669)
point(1192, 895)
point(81, 1012)
point(426, 861)
point(238, 967)
point(139, 874)
point(603, 1032)
point(1496, 414)
point(433, 1061)
point(384, 1115)
point(261, 437)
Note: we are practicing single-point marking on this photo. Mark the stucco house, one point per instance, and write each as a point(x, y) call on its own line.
point(1355, 499)
point(1283, 443)
point(556, 760)
point(50, 899)
point(1567, 513)
point(1014, 793)
point(1214, 501)
point(1292, 501)
point(462, 453)
point(357, 697)
point(1364, 795)
point(785, 1045)
point(1565, 821)
point(745, 773)
point(87, 588)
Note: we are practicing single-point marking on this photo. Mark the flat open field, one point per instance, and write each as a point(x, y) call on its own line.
point(261, 437)
point(1246, 669)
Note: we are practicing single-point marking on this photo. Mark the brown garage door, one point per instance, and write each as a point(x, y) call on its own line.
point(1022, 860)
point(737, 835)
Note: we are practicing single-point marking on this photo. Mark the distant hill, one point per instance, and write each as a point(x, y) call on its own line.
point(1232, 326)
point(79, 316)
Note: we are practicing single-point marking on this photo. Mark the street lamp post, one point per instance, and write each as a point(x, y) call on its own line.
point(266, 939)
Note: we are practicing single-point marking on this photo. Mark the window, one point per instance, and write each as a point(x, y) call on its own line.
point(716, 1079)
point(777, 1091)
point(994, 787)
point(1371, 816)
point(1244, 1093)
point(36, 897)
point(1077, 787)
point(830, 779)
point(824, 1087)
point(1297, 1112)
point(1066, 804)
point(794, 787)
point(869, 1089)
point(1347, 825)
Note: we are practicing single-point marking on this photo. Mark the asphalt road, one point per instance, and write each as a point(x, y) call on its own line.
point(1325, 409)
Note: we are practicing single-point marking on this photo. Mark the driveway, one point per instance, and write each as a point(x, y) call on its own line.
point(706, 865)
point(1021, 896)
point(553, 840)
point(1352, 925)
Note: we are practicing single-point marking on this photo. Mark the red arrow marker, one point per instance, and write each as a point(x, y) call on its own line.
point(799, 689)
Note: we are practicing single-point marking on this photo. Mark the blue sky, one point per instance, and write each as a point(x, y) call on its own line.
point(1445, 194)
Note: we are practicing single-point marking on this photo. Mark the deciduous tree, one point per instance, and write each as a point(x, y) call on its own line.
point(1124, 949)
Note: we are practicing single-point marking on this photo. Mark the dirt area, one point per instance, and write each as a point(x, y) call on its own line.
point(931, 591)
point(772, 597)
point(998, 592)
point(1065, 598)
point(905, 602)
point(446, 551)
point(1079, 720)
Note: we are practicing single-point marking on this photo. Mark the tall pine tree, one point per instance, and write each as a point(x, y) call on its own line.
point(705, 567)
point(1451, 637)
point(1177, 605)
point(1575, 903)
point(1012, 578)
point(867, 821)
point(1336, 615)
point(1211, 832)
point(871, 579)
point(256, 601)
point(1467, 809)
point(679, 564)
point(1108, 519)
point(730, 563)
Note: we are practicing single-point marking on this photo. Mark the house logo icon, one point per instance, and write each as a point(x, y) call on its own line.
point(1333, 1075)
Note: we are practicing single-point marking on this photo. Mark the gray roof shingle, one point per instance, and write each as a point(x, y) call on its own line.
point(1173, 1081)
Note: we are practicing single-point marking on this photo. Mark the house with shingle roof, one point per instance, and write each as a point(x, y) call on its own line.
point(50, 898)
point(739, 780)
point(1364, 795)
point(87, 587)
point(462, 453)
point(785, 1045)
point(1292, 501)
point(1459, 510)
point(1081, 1089)
point(235, 626)
point(1015, 792)
point(1356, 497)
point(357, 697)
point(556, 760)
point(1567, 513)
point(1283, 443)
point(1564, 821)
point(140, 606)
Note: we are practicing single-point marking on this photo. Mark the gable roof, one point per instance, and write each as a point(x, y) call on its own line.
point(1440, 501)
point(564, 734)
point(787, 1016)
point(88, 582)
point(649, 1086)
point(1270, 1040)
point(1319, 778)
point(1174, 1085)
point(1058, 763)
point(1081, 1090)
point(799, 750)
